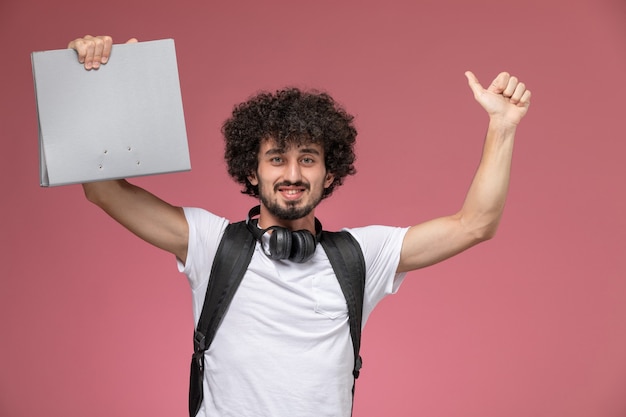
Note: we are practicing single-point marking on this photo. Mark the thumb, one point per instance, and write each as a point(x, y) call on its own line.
point(473, 83)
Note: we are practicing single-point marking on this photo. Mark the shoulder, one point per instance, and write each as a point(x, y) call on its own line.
point(205, 228)
point(201, 218)
point(377, 235)
point(381, 245)
point(205, 232)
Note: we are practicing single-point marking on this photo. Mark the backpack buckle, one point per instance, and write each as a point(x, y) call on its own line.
point(199, 341)
point(358, 364)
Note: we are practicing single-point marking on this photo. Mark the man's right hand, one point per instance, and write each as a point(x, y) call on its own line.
point(94, 51)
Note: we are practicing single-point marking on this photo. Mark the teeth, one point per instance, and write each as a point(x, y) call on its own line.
point(292, 192)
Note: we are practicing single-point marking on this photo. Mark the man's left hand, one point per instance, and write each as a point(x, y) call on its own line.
point(506, 100)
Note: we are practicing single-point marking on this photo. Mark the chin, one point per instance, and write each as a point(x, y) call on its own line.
point(290, 210)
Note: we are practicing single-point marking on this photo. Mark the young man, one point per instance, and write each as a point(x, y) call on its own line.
point(284, 348)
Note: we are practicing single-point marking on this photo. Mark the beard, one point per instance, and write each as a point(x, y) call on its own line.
point(292, 211)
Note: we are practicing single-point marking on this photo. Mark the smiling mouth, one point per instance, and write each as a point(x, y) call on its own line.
point(291, 191)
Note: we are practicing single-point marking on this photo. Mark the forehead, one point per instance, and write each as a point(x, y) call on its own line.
point(270, 145)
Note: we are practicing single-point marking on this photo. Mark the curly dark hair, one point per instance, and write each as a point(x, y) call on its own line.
point(289, 116)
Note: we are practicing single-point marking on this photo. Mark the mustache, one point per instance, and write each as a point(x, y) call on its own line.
point(302, 184)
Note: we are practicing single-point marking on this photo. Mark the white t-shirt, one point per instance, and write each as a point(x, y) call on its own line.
point(284, 346)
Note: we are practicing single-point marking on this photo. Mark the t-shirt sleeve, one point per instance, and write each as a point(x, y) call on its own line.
point(205, 232)
point(381, 246)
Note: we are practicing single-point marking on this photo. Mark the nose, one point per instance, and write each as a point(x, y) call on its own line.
point(293, 173)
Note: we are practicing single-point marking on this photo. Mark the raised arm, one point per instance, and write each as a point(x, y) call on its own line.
point(144, 214)
point(506, 101)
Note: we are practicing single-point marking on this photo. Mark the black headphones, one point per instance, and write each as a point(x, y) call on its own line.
point(297, 246)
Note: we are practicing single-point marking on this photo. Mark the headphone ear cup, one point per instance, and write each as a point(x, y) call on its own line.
point(303, 246)
point(280, 243)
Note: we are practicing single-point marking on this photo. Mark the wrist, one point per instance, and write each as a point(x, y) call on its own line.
point(499, 125)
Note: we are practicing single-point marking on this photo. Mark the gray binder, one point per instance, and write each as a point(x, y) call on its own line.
point(123, 120)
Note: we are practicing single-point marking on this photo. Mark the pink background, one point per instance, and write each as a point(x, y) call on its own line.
point(94, 322)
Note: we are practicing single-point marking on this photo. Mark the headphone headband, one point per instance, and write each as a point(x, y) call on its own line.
point(298, 246)
point(258, 232)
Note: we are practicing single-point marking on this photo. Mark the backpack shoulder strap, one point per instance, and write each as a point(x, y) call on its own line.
point(229, 266)
point(346, 258)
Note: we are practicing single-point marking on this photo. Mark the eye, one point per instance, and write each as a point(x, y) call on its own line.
point(276, 160)
point(307, 160)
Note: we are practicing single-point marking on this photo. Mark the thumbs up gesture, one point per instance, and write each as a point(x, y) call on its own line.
point(506, 100)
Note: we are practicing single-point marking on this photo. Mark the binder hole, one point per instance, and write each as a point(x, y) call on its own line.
point(129, 148)
point(138, 162)
point(100, 166)
point(106, 151)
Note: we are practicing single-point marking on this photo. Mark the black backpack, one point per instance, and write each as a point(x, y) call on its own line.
point(231, 262)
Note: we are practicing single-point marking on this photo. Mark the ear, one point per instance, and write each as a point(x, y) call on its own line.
point(329, 180)
point(253, 179)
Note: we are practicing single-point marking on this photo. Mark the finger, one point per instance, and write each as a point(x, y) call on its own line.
point(473, 83)
point(107, 44)
point(101, 49)
point(132, 40)
point(81, 46)
point(89, 44)
point(499, 83)
point(525, 100)
point(519, 91)
point(98, 47)
point(85, 47)
point(511, 85)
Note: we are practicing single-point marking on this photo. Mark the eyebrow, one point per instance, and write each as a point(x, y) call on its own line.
point(279, 151)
